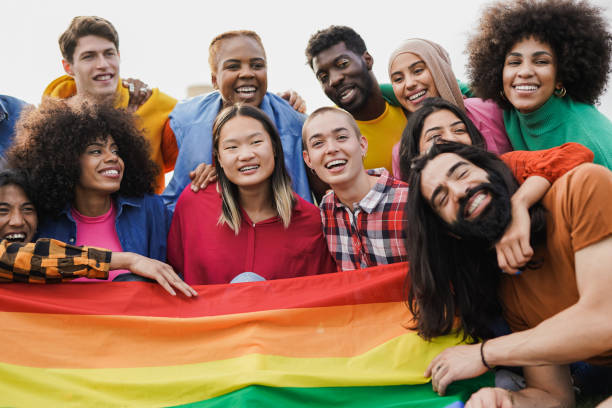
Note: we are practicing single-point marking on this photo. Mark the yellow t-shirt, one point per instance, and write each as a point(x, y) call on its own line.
point(382, 134)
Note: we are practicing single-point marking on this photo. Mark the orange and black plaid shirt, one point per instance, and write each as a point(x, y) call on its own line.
point(51, 261)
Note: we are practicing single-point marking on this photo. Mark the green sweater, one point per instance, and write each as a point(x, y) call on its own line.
point(558, 121)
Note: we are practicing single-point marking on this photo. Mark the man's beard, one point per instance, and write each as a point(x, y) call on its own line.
point(490, 225)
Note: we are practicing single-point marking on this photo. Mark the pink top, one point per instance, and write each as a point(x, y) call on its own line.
point(100, 232)
point(208, 253)
point(488, 119)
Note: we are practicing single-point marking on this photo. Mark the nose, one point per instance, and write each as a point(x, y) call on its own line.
point(525, 70)
point(245, 153)
point(335, 77)
point(246, 71)
point(331, 146)
point(16, 218)
point(111, 156)
point(457, 190)
point(101, 62)
point(410, 82)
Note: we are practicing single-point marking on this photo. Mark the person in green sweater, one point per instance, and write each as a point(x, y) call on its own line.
point(545, 63)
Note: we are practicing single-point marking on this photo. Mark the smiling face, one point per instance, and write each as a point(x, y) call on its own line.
point(241, 74)
point(334, 148)
point(101, 168)
point(474, 203)
point(245, 152)
point(18, 219)
point(529, 75)
point(412, 81)
point(443, 125)
point(344, 76)
point(95, 66)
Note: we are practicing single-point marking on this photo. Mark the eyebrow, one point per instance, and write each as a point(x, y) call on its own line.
point(439, 189)
point(535, 54)
point(336, 130)
point(252, 135)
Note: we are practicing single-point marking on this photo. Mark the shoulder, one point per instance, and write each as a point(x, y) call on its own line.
point(283, 112)
point(162, 99)
point(11, 104)
point(206, 198)
point(193, 107)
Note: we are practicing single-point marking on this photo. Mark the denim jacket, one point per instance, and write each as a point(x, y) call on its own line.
point(10, 108)
point(142, 226)
point(192, 122)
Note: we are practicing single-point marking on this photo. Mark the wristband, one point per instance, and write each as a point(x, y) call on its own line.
point(484, 362)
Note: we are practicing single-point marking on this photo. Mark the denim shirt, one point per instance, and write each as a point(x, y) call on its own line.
point(192, 123)
point(10, 108)
point(142, 226)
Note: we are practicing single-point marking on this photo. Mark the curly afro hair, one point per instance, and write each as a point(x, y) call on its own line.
point(576, 31)
point(324, 39)
point(51, 139)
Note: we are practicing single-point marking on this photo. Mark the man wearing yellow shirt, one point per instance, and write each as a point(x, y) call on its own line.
point(90, 50)
point(343, 67)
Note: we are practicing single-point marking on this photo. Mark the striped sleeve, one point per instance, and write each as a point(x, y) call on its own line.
point(51, 261)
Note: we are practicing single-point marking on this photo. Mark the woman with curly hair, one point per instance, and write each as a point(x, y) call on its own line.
point(250, 224)
point(545, 62)
point(92, 178)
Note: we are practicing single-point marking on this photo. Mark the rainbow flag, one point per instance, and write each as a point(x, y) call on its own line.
point(329, 340)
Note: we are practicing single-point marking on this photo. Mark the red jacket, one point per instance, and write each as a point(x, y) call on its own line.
point(207, 253)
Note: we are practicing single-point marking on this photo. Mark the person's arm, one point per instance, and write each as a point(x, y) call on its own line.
point(294, 99)
point(547, 386)
point(579, 332)
point(536, 171)
point(152, 269)
point(50, 260)
point(139, 93)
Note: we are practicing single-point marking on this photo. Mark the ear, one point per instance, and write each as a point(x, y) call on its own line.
point(368, 60)
point(213, 79)
point(363, 142)
point(306, 157)
point(67, 67)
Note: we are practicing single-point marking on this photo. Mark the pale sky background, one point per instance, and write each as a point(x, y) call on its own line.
point(165, 43)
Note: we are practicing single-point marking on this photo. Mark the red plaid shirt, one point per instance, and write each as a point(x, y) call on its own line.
point(371, 234)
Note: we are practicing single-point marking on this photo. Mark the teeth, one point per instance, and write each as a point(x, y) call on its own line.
point(19, 236)
point(103, 77)
point(475, 203)
point(417, 95)
point(346, 93)
point(246, 89)
point(526, 87)
point(247, 168)
point(335, 163)
point(110, 172)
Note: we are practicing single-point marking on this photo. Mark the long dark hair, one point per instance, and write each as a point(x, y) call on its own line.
point(451, 278)
point(409, 145)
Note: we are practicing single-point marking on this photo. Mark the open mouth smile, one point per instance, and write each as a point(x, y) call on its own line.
point(249, 168)
point(476, 205)
point(15, 237)
point(246, 91)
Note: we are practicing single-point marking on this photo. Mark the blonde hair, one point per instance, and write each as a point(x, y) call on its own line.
point(349, 118)
point(282, 193)
point(215, 44)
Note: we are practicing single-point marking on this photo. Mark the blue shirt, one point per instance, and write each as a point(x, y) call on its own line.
point(142, 226)
point(192, 122)
point(10, 108)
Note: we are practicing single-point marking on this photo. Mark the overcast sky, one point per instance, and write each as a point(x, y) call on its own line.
point(165, 43)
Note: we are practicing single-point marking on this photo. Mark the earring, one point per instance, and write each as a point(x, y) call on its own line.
point(560, 92)
point(503, 95)
point(313, 171)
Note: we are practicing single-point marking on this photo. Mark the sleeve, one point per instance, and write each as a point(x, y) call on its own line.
point(388, 94)
point(550, 163)
point(169, 147)
point(51, 261)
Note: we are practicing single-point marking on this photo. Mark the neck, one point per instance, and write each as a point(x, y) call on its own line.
point(355, 190)
point(91, 204)
point(374, 105)
point(257, 201)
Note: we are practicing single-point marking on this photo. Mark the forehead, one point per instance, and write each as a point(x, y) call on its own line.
point(241, 126)
point(93, 43)
point(404, 60)
point(327, 57)
point(326, 122)
point(531, 45)
point(13, 194)
point(241, 47)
